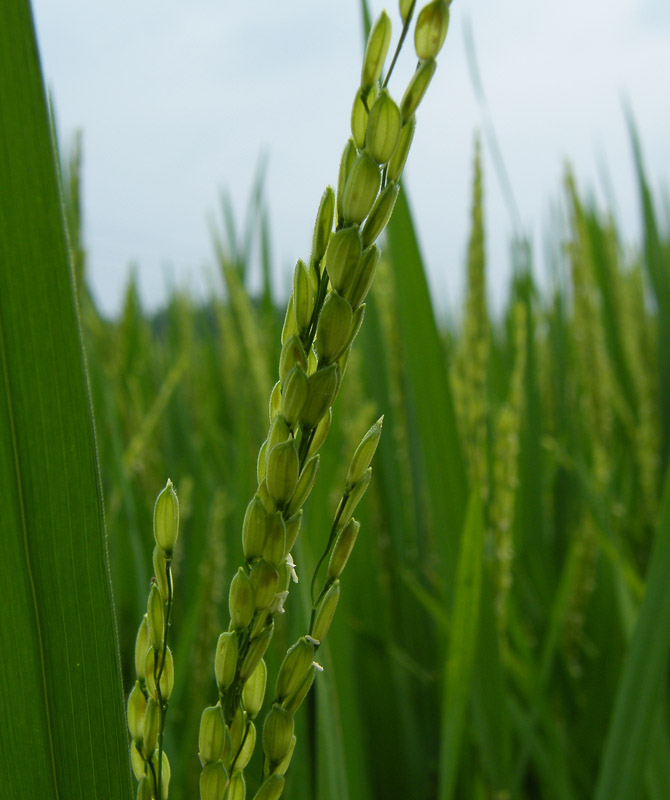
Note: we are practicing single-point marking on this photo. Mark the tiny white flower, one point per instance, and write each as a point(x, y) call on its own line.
point(291, 565)
point(277, 606)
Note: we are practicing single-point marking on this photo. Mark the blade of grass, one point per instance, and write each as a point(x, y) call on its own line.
point(627, 746)
point(658, 764)
point(462, 647)
point(659, 278)
point(491, 723)
point(425, 362)
point(63, 732)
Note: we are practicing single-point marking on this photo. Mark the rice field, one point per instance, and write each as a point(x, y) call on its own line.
point(503, 628)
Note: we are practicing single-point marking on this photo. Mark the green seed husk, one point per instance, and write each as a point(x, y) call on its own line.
point(279, 432)
point(212, 735)
point(241, 600)
point(325, 612)
point(380, 214)
point(303, 297)
point(302, 490)
point(160, 571)
point(342, 549)
point(356, 323)
point(282, 472)
point(342, 257)
point(285, 763)
point(256, 651)
point(275, 401)
point(375, 51)
point(292, 353)
point(277, 733)
point(254, 529)
point(293, 702)
point(323, 225)
point(246, 751)
point(167, 675)
point(165, 770)
point(262, 462)
point(361, 189)
point(268, 503)
point(141, 646)
point(166, 519)
point(294, 395)
point(137, 761)
point(289, 327)
point(254, 690)
point(237, 789)
point(383, 128)
point(417, 88)
point(364, 454)
point(431, 29)
point(155, 616)
point(365, 273)
point(321, 432)
point(271, 788)
point(397, 163)
point(137, 705)
point(359, 119)
point(357, 492)
point(333, 329)
point(144, 789)
point(152, 719)
point(264, 577)
point(323, 387)
point(236, 730)
point(213, 780)
point(346, 161)
point(294, 667)
point(275, 544)
point(225, 661)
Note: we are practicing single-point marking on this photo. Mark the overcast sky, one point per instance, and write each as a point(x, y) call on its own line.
point(178, 101)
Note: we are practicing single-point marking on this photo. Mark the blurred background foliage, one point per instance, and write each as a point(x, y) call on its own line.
point(494, 605)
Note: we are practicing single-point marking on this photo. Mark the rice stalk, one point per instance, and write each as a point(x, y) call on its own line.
point(154, 664)
point(323, 317)
point(469, 377)
point(640, 345)
point(596, 390)
point(505, 473)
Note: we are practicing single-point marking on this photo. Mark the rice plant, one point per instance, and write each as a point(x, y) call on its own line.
point(502, 625)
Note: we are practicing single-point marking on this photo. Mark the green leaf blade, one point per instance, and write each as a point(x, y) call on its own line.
point(432, 413)
point(461, 651)
point(626, 749)
point(60, 679)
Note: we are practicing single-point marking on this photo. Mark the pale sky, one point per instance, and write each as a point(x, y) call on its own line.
point(178, 101)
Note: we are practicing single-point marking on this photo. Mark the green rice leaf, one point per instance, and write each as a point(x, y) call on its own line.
point(658, 764)
point(628, 739)
point(431, 411)
point(62, 733)
point(659, 278)
point(462, 647)
point(491, 723)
